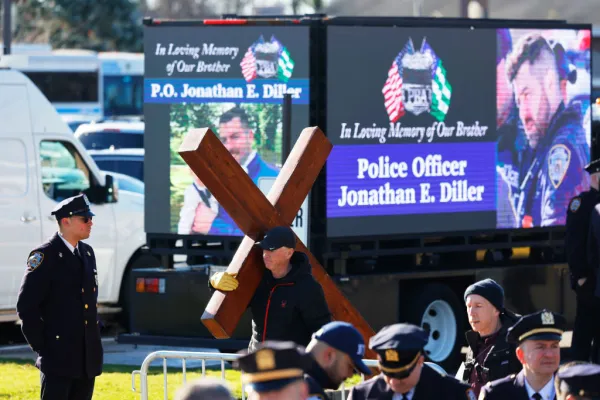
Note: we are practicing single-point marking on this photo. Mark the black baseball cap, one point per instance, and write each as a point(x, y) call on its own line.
point(275, 238)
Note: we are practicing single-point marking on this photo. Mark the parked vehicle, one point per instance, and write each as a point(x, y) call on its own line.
point(111, 134)
point(125, 161)
point(41, 163)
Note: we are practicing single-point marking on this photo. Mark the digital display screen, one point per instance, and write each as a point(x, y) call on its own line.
point(455, 129)
point(231, 79)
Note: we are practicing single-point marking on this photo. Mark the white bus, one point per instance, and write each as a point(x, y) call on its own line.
point(70, 79)
point(123, 76)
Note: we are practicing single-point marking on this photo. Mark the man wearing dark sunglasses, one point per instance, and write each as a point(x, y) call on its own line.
point(58, 309)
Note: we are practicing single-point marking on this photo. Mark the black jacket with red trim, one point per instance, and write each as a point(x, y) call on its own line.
point(290, 308)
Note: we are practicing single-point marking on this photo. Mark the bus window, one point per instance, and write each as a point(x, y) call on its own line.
point(123, 95)
point(66, 87)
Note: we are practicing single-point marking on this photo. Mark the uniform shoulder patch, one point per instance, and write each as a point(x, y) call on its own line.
point(575, 204)
point(559, 158)
point(35, 260)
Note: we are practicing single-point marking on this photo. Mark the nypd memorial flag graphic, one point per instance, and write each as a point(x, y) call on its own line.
point(414, 140)
point(212, 72)
point(417, 83)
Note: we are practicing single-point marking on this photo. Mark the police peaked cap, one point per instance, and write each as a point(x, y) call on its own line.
point(274, 365)
point(542, 325)
point(399, 347)
point(593, 167)
point(76, 205)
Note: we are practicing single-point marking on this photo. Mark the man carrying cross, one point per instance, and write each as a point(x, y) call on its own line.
point(289, 304)
point(255, 213)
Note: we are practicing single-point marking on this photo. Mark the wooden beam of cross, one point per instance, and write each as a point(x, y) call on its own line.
point(254, 214)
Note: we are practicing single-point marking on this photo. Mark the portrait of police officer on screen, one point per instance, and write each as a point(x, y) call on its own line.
point(548, 170)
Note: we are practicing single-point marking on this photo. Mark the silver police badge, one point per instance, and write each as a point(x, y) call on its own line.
point(35, 260)
point(416, 83)
point(547, 318)
point(559, 158)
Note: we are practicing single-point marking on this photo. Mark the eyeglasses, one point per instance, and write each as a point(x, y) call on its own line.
point(84, 219)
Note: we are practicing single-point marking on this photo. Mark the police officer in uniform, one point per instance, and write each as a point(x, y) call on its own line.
point(577, 380)
point(337, 350)
point(404, 376)
point(551, 165)
point(57, 306)
point(275, 370)
point(582, 272)
point(538, 337)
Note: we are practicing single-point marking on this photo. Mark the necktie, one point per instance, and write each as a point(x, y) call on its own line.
point(536, 396)
point(405, 396)
point(76, 252)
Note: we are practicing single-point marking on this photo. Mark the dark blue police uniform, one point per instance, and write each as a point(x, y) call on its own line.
point(345, 338)
point(58, 310)
point(551, 174)
point(578, 379)
point(399, 349)
point(542, 325)
point(272, 366)
point(582, 240)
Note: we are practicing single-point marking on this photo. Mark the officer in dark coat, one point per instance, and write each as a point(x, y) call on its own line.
point(577, 380)
point(57, 306)
point(583, 270)
point(538, 336)
point(337, 350)
point(275, 370)
point(404, 375)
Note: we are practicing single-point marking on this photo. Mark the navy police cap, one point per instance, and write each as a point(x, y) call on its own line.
point(580, 379)
point(399, 347)
point(542, 325)
point(593, 167)
point(76, 205)
point(273, 365)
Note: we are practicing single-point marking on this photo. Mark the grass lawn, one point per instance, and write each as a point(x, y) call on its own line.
point(20, 380)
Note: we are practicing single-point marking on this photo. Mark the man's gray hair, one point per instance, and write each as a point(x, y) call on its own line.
point(204, 389)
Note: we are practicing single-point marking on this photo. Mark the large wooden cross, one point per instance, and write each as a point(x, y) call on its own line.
point(254, 214)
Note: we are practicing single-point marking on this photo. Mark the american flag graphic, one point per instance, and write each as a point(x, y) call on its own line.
point(248, 65)
point(392, 92)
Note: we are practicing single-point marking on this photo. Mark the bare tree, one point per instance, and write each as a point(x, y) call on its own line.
point(317, 6)
point(182, 9)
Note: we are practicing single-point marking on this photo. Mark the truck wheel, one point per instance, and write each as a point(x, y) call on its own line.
point(141, 261)
point(437, 310)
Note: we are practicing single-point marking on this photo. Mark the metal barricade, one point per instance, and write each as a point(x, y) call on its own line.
point(187, 355)
point(205, 356)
